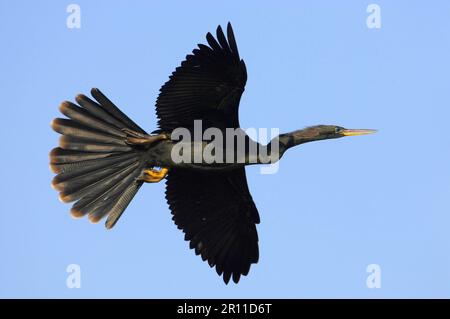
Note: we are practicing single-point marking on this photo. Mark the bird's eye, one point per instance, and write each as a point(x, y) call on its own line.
point(337, 130)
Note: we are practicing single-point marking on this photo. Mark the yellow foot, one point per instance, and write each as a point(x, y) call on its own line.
point(153, 175)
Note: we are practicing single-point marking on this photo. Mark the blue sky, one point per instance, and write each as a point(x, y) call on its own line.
point(333, 208)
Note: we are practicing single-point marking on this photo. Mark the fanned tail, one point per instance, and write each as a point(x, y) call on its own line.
point(96, 167)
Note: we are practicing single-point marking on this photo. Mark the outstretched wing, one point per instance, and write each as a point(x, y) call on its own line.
point(218, 216)
point(207, 86)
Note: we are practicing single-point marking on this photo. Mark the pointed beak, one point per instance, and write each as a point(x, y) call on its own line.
point(348, 132)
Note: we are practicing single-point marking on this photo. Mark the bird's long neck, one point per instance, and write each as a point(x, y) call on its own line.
point(280, 144)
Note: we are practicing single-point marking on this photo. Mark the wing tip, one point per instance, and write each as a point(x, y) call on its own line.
point(219, 29)
point(229, 27)
point(226, 277)
point(236, 276)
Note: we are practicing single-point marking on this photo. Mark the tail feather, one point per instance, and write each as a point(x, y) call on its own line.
point(109, 107)
point(71, 170)
point(98, 186)
point(121, 204)
point(96, 167)
point(79, 144)
point(61, 156)
point(83, 117)
point(117, 195)
point(71, 128)
point(96, 110)
point(78, 182)
point(90, 202)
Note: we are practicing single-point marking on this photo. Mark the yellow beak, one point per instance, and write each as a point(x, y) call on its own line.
point(347, 132)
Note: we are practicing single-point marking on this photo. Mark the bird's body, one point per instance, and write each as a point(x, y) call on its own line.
point(104, 157)
point(162, 155)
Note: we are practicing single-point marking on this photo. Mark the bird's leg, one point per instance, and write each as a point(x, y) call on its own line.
point(152, 175)
point(137, 138)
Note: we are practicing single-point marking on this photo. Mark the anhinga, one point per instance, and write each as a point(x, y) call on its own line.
point(104, 157)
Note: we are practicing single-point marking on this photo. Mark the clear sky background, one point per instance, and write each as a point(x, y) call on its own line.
point(333, 208)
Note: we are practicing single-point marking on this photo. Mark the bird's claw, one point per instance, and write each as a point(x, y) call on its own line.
point(152, 175)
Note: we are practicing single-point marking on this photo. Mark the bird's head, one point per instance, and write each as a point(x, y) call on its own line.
point(322, 132)
point(317, 133)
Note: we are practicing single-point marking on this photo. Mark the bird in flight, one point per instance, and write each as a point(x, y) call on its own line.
point(104, 157)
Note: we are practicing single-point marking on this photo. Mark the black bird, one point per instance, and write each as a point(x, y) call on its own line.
point(104, 157)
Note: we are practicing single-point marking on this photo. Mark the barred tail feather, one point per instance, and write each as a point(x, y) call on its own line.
point(96, 168)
